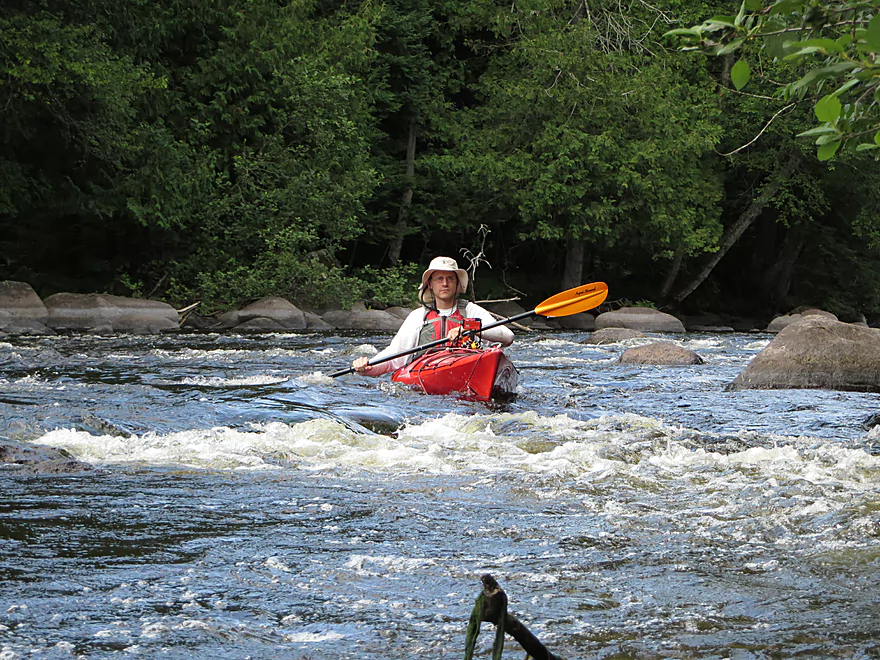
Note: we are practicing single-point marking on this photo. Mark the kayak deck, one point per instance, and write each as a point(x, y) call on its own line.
point(474, 373)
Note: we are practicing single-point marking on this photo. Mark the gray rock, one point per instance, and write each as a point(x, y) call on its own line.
point(399, 312)
point(660, 352)
point(21, 310)
point(260, 324)
point(195, 321)
point(315, 322)
point(781, 322)
point(23, 458)
point(366, 319)
point(612, 336)
point(278, 309)
point(816, 352)
point(106, 314)
point(644, 319)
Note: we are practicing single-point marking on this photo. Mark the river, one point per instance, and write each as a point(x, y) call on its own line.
point(243, 504)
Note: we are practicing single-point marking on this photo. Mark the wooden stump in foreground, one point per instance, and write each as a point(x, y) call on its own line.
point(491, 606)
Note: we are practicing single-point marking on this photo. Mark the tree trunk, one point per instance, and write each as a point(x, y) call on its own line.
point(777, 280)
point(396, 246)
point(671, 275)
point(574, 263)
point(735, 231)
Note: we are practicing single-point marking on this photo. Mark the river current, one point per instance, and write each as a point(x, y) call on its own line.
point(244, 505)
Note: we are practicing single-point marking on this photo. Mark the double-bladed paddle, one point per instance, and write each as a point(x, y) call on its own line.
point(573, 301)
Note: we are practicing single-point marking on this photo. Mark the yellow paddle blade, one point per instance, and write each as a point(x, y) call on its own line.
point(576, 300)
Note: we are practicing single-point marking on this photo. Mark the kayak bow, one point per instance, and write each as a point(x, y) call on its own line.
point(473, 373)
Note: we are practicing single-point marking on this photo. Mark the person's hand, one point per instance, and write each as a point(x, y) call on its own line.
point(362, 365)
point(454, 334)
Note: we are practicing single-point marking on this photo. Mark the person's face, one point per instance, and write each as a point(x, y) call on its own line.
point(444, 286)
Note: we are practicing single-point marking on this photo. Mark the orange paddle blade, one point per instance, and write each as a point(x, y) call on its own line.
point(576, 300)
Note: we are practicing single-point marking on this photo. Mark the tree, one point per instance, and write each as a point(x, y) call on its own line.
point(832, 49)
point(594, 138)
point(71, 143)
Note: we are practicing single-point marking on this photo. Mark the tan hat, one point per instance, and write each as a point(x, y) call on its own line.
point(444, 264)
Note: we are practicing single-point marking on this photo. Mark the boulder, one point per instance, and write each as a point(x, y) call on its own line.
point(612, 336)
point(194, 321)
point(21, 457)
point(660, 352)
point(21, 310)
point(315, 322)
point(106, 314)
point(816, 352)
point(280, 310)
point(399, 312)
point(360, 318)
point(644, 319)
point(781, 322)
point(260, 324)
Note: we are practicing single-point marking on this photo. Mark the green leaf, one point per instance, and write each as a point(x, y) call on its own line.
point(754, 5)
point(819, 130)
point(723, 21)
point(872, 36)
point(729, 48)
point(828, 109)
point(823, 72)
point(740, 74)
point(877, 138)
point(807, 50)
point(845, 86)
point(786, 6)
point(827, 139)
point(824, 45)
point(739, 17)
point(775, 45)
point(827, 151)
point(683, 32)
point(865, 146)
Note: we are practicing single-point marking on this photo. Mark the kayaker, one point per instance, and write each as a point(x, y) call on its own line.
point(441, 315)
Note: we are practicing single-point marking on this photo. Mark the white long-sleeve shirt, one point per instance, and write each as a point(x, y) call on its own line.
point(407, 336)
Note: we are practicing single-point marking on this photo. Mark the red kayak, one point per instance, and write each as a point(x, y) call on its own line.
point(475, 373)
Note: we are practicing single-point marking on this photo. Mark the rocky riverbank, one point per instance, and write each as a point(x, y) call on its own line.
point(22, 311)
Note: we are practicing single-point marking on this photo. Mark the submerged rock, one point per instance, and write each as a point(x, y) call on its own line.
point(612, 336)
point(23, 458)
point(660, 352)
point(816, 352)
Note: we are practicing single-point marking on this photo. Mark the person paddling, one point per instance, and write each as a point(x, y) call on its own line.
point(442, 315)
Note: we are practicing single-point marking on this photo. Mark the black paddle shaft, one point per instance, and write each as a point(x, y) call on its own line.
point(436, 342)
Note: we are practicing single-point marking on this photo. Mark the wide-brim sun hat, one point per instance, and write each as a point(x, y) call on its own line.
point(444, 264)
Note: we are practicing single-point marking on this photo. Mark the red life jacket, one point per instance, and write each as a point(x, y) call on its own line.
point(437, 326)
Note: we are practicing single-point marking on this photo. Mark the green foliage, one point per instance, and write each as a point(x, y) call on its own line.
point(591, 131)
point(386, 287)
point(831, 49)
point(625, 302)
point(233, 150)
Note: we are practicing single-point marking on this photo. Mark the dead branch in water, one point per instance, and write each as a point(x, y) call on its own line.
point(491, 606)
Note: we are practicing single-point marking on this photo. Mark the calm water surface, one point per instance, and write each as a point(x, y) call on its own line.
point(245, 505)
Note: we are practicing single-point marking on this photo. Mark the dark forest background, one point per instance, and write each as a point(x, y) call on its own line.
point(324, 151)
